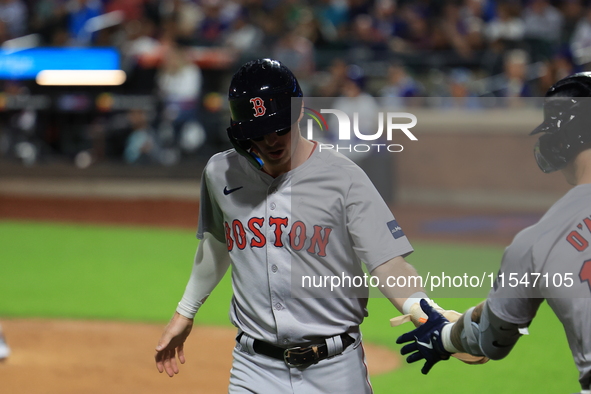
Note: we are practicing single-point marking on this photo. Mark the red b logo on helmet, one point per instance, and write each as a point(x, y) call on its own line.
point(259, 106)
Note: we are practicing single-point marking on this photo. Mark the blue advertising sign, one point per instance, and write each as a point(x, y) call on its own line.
point(27, 63)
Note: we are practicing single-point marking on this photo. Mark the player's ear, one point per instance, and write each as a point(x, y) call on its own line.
point(301, 112)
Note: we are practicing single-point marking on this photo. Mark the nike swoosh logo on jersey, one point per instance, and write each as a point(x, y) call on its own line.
point(228, 191)
point(427, 345)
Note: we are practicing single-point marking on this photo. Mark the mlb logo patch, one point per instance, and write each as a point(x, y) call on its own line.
point(395, 229)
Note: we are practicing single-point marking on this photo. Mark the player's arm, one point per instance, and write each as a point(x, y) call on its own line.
point(401, 297)
point(480, 332)
point(406, 299)
point(211, 263)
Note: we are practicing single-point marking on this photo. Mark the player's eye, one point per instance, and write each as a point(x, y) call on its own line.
point(279, 133)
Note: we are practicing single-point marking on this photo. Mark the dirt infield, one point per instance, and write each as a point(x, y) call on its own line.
point(73, 357)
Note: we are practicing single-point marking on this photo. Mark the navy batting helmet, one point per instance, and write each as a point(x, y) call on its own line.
point(260, 99)
point(567, 122)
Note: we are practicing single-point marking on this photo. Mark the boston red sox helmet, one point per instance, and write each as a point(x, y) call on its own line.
point(567, 122)
point(260, 99)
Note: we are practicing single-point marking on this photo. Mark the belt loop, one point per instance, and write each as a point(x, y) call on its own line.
point(247, 343)
point(334, 345)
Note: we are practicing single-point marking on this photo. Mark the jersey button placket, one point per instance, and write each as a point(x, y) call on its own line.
point(273, 254)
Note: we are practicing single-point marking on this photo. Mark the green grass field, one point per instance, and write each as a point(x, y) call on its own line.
point(139, 274)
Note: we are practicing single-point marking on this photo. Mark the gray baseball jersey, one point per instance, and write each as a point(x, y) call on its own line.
point(324, 216)
point(555, 252)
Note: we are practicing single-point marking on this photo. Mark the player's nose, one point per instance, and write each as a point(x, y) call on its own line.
point(271, 139)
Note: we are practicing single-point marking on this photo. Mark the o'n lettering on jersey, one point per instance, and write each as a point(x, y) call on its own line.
point(319, 240)
point(585, 273)
point(577, 240)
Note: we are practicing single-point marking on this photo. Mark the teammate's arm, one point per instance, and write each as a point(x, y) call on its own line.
point(480, 332)
point(211, 263)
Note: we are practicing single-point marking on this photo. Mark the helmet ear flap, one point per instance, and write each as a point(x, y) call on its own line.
point(551, 153)
point(244, 148)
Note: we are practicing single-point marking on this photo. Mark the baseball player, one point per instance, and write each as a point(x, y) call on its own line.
point(4, 349)
point(275, 207)
point(550, 260)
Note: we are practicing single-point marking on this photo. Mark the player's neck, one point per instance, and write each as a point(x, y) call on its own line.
point(303, 150)
point(582, 167)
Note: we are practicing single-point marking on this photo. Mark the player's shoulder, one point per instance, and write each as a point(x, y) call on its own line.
point(222, 160)
point(569, 207)
point(331, 159)
point(563, 214)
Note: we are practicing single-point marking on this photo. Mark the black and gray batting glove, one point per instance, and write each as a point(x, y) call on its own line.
point(426, 342)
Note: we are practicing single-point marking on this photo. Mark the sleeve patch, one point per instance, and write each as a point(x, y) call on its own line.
point(395, 229)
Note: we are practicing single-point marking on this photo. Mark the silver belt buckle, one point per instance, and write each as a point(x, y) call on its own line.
point(286, 357)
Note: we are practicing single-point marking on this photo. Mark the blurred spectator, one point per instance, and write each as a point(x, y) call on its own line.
point(187, 18)
point(514, 82)
point(399, 85)
point(507, 26)
point(572, 11)
point(385, 18)
point(244, 36)
point(332, 85)
point(132, 9)
point(218, 17)
point(417, 36)
point(562, 66)
point(463, 36)
point(580, 44)
point(50, 20)
point(333, 16)
point(365, 39)
point(138, 55)
point(460, 92)
point(559, 67)
point(80, 11)
point(297, 53)
point(4, 35)
point(361, 108)
point(141, 147)
point(14, 14)
point(179, 81)
point(543, 27)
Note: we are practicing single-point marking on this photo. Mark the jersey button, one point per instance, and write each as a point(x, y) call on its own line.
point(274, 268)
point(278, 306)
point(273, 206)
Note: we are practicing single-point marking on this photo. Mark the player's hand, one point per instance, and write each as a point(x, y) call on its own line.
point(426, 340)
point(171, 344)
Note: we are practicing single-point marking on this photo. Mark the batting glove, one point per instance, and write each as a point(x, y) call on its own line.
point(426, 340)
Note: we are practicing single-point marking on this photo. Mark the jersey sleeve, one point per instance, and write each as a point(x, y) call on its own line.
point(376, 235)
point(515, 304)
point(211, 218)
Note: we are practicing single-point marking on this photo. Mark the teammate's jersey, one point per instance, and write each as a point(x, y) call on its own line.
point(555, 251)
point(325, 216)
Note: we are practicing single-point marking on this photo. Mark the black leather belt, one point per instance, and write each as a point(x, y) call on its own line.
point(297, 356)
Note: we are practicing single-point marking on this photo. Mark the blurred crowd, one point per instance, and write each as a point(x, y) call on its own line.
point(183, 52)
